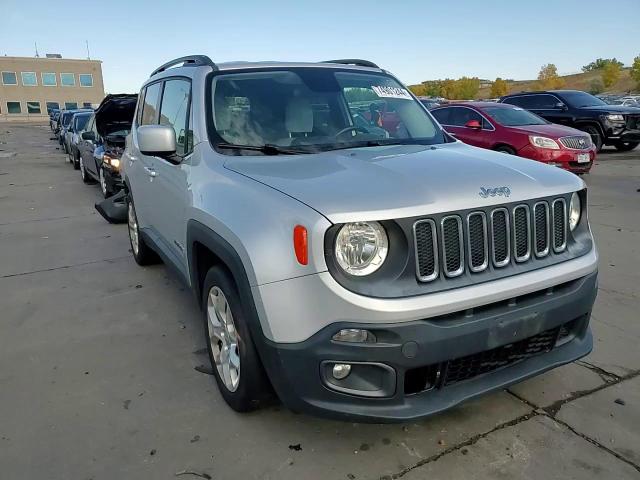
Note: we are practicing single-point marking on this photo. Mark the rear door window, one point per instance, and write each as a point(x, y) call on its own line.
point(442, 115)
point(459, 116)
point(174, 111)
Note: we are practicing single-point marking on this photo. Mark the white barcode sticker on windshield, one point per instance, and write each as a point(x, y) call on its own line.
point(391, 92)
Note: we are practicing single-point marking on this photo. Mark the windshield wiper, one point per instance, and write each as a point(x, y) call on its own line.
point(267, 149)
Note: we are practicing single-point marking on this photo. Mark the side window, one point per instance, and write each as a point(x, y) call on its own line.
point(544, 101)
point(459, 116)
point(140, 106)
point(150, 103)
point(174, 110)
point(442, 115)
point(523, 102)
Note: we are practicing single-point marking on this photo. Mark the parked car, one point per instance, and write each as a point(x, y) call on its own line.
point(53, 117)
point(76, 125)
point(625, 102)
point(72, 136)
point(63, 125)
point(361, 276)
point(103, 140)
point(513, 130)
point(607, 124)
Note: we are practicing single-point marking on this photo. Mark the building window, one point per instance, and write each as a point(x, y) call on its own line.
point(52, 106)
point(67, 80)
point(14, 107)
point(86, 80)
point(29, 79)
point(70, 105)
point(9, 78)
point(33, 107)
point(49, 79)
point(87, 105)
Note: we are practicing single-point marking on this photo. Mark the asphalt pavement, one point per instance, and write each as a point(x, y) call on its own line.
point(100, 362)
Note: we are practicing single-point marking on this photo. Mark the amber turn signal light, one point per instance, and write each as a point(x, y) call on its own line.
point(300, 244)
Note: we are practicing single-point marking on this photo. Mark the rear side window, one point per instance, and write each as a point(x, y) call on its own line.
point(459, 116)
point(174, 111)
point(150, 103)
point(442, 115)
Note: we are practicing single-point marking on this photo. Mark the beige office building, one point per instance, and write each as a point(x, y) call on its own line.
point(31, 86)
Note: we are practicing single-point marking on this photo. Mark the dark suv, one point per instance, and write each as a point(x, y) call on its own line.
point(607, 124)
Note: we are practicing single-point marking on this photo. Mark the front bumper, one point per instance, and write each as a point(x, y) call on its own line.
point(564, 158)
point(407, 350)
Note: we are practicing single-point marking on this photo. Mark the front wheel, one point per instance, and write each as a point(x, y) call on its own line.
point(104, 188)
point(625, 146)
point(505, 149)
point(596, 136)
point(234, 359)
point(142, 253)
point(83, 172)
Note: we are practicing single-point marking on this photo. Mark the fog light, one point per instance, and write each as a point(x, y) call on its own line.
point(354, 335)
point(341, 371)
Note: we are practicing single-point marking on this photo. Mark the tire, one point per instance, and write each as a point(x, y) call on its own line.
point(142, 253)
point(596, 136)
point(83, 172)
point(625, 146)
point(76, 160)
point(104, 188)
point(505, 149)
point(246, 387)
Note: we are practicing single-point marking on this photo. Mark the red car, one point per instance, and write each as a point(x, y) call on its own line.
point(510, 129)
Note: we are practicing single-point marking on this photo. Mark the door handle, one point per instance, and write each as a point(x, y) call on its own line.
point(150, 171)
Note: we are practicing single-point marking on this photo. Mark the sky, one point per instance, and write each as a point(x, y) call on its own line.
point(415, 40)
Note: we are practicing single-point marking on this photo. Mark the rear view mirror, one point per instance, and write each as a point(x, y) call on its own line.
point(158, 140)
point(89, 136)
point(475, 124)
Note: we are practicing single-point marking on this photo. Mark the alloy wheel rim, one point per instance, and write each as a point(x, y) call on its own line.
point(103, 182)
point(133, 229)
point(223, 339)
point(82, 174)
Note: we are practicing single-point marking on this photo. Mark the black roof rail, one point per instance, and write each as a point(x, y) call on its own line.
point(188, 61)
point(353, 61)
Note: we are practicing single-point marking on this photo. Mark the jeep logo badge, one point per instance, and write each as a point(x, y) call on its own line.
point(493, 192)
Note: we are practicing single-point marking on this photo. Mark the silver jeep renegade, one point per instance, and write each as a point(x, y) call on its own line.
point(348, 254)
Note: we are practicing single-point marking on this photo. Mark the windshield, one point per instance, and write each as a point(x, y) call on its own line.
point(80, 122)
point(311, 109)
point(581, 99)
point(513, 117)
point(66, 118)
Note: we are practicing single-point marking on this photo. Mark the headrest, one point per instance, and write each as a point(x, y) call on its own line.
point(299, 115)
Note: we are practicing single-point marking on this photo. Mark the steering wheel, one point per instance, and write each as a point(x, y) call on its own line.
point(352, 129)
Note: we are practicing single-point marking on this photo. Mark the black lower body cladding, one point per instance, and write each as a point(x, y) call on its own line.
point(420, 368)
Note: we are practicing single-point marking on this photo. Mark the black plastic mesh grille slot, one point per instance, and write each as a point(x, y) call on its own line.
point(425, 237)
point(451, 248)
point(477, 240)
point(520, 233)
point(542, 236)
point(500, 236)
point(559, 226)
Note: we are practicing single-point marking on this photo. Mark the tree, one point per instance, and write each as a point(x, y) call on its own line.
point(610, 74)
point(499, 88)
point(635, 71)
point(418, 90)
point(600, 63)
point(548, 78)
point(596, 86)
point(467, 88)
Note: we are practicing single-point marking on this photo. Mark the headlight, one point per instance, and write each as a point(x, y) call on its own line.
point(615, 117)
point(109, 160)
point(544, 142)
point(575, 209)
point(361, 248)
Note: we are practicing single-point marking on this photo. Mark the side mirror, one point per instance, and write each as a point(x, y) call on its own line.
point(89, 136)
point(157, 140)
point(560, 106)
point(475, 124)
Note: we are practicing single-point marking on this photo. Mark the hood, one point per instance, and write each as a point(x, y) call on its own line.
point(379, 183)
point(552, 130)
point(604, 109)
point(115, 113)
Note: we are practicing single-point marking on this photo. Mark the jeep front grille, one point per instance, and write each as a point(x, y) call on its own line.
point(577, 142)
point(489, 239)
